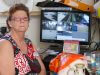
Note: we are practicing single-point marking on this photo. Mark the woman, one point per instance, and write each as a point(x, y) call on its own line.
point(15, 49)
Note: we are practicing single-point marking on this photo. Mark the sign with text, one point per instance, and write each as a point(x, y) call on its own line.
point(71, 46)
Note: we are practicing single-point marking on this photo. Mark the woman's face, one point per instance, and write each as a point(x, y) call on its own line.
point(19, 21)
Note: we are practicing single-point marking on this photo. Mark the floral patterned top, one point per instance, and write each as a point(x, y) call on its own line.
point(21, 64)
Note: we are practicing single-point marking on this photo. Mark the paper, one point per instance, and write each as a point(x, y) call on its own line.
point(71, 46)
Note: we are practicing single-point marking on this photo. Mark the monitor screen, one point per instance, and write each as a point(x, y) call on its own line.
point(59, 25)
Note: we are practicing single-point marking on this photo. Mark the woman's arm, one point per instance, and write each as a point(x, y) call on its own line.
point(36, 55)
point(43, 70)
point(6, 58)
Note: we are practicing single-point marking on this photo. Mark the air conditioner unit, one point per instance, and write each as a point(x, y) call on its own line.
point(6, 4)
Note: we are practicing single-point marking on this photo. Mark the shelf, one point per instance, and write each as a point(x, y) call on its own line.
point(33, 13)
point(4, 13)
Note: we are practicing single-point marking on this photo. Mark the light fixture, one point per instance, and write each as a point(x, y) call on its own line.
point(12, 2)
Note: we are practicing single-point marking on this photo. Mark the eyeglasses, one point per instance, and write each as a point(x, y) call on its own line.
point(19, 19)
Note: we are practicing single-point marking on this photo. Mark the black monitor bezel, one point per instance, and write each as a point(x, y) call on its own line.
point(61, 41)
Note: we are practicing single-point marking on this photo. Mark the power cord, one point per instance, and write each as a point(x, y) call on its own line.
point(94, 46)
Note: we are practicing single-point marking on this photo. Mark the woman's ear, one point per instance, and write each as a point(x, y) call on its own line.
point(9, 24)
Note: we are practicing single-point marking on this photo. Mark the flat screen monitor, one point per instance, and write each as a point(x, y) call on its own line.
point(59, 25)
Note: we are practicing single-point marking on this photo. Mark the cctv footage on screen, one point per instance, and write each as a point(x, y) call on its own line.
point(65, 26)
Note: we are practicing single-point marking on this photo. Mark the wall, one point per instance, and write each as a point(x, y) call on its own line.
point(95, 26)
